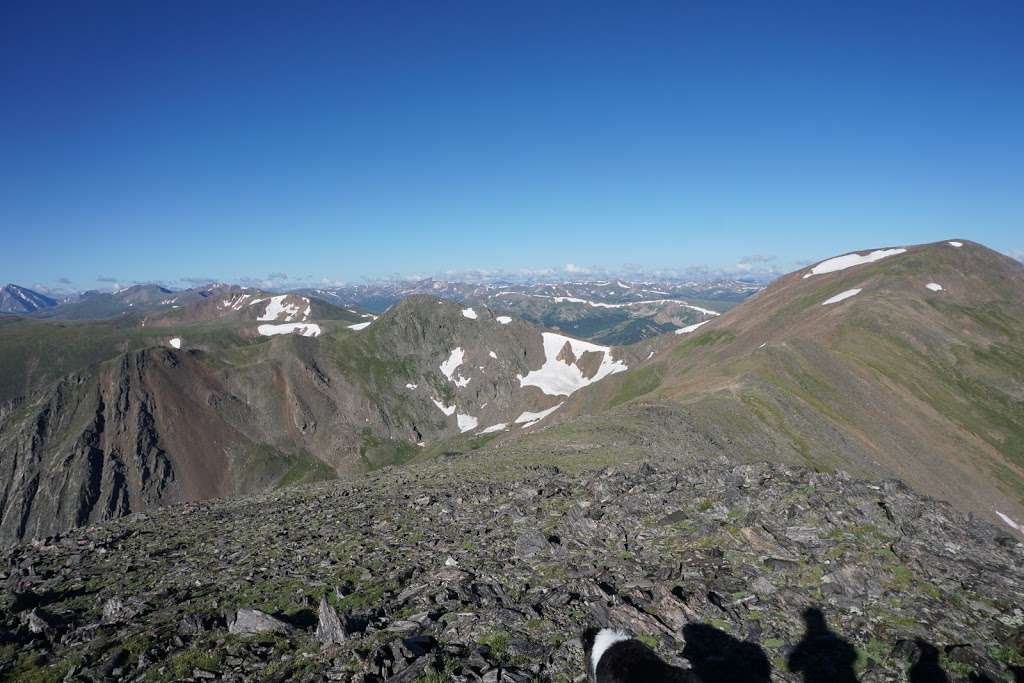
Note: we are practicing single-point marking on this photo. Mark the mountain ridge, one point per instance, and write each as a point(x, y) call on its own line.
point(875, 382)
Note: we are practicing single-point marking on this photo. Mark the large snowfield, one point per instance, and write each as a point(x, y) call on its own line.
point(558, 378)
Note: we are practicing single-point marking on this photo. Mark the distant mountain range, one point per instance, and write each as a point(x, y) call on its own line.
point(606, 312)
point(15, 299)
point(902, 362)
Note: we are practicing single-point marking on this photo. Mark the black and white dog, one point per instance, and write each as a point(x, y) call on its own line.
point(612, 656)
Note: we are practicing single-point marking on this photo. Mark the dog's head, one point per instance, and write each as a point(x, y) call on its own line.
point(595, 642)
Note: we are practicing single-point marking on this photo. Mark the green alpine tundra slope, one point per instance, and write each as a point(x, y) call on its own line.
point(908, 366)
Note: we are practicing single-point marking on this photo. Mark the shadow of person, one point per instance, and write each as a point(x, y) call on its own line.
point(717, 657)
point(926, 667)
point(822, 656)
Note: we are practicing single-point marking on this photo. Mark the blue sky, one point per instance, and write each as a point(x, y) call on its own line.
point(340, 140)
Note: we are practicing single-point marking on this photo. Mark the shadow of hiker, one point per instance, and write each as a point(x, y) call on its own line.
point(717, 657)
point(926, 667)
point(822, 656)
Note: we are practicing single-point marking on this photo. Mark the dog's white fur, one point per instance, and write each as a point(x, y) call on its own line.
point(604, 639)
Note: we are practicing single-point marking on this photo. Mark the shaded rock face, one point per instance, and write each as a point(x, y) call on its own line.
point(710, 562)
point(91, 453)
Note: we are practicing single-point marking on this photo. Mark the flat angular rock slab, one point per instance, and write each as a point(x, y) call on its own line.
point(248, 620)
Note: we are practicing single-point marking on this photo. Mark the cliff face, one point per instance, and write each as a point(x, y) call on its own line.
point(86, 450)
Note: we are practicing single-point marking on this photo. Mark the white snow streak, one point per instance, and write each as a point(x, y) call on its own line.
point(599, 304)
point(304, 329)
point(838, 263)
point(447, 410)
point(957, 244)
point(493, 428)
point(360, 326)
point(841, 296)
point(529, 419)
point(691, 328)
point(934, 286)
point(503, 319)
point(1009, 522)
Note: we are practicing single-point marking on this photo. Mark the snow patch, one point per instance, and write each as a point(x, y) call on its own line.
point(469, 313)
point(360, 326)
point(1009, 522)
point(934, 286)
point(558, 378)
point(466, 422)
point(447, 410)
point(493, 355)
point(528, 419)
point(411, 386)
point(304, 329)
point(691, 328)
point(838, 263)
point(504, 319)
point(455, 359)
point(958, 244)
point(276, 308)
point(176, 342)
point(841, 296)
point(501, 426)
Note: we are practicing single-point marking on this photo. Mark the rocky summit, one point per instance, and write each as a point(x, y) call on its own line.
point(486, 567)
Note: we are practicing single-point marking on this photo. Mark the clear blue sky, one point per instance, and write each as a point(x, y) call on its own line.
point(166, 140)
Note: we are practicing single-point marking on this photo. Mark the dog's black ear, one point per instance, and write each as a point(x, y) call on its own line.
point(587, 639)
